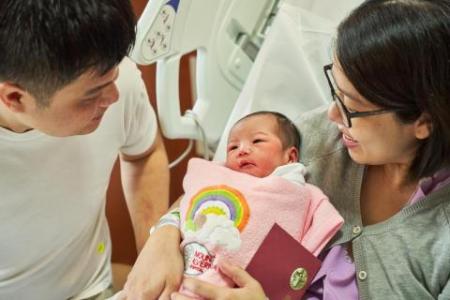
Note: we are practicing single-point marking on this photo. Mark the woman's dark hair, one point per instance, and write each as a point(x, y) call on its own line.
point(46, 44)
point(396, 53)
point(288, 132)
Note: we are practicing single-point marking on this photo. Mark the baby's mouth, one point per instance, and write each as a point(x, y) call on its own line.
point(246, 164)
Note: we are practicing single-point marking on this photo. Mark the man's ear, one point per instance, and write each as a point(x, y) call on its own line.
point(12, 96)
point(292, 153)
point(423, 126)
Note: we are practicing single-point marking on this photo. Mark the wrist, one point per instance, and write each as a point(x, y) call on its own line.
point(170, 219)
point(170, 236)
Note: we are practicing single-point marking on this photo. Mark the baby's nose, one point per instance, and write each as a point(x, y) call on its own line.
point(244, 149)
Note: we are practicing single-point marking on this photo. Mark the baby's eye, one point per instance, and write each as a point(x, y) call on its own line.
point(255, 141)
point(231, 148)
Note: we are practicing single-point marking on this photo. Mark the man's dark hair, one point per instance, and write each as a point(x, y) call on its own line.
point(397, 55)
point(288, 132)
point(46, 44)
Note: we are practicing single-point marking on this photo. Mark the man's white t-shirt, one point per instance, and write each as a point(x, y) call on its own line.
point(54, 236)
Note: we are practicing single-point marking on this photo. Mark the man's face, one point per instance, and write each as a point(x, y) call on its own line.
point(76, 109)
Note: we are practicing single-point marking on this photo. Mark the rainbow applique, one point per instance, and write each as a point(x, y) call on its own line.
point(219, 200)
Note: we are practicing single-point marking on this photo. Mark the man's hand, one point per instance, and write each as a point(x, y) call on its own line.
point(248, 288)
point(158, 270)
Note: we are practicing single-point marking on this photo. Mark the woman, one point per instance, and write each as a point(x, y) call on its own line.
point(384, 159)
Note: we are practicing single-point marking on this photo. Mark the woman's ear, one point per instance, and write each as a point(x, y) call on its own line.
point(292, 154)
point(11, 96)
point(423, 126)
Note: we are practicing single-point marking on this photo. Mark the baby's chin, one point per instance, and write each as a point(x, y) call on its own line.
point(249, 170)
point(254, 172)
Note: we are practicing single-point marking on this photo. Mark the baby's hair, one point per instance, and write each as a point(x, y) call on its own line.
point(289, 133)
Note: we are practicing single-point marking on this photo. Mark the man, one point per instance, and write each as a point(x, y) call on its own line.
point(69, 104)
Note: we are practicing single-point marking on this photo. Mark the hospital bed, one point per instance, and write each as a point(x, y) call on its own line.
point(250, 55)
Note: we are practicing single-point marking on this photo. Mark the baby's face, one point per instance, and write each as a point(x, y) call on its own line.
point(254, 146)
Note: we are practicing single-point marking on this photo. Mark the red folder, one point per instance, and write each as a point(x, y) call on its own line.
point(283, 266)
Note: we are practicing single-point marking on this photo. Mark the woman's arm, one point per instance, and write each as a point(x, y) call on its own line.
point(248, 288)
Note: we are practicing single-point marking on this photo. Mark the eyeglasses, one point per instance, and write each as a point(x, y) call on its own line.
point(345, 113)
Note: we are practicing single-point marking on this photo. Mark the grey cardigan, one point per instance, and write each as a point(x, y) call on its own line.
point(404, 257)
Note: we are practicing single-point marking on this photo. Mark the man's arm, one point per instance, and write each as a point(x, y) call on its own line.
point(145, 180)
point(162, 253)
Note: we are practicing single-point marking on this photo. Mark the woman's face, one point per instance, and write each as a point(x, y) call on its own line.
point(377, 139)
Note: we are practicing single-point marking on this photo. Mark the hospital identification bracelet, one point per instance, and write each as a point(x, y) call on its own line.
point(172, 218)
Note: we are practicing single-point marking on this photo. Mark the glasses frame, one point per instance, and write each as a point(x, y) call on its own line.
point(345, 113)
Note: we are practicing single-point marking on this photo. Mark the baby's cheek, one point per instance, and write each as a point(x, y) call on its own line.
point(229, 163)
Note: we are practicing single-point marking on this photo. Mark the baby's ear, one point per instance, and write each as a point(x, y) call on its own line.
point(292, 154)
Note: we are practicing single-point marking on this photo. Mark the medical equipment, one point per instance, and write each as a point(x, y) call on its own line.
point(226, 35)
point(236, 43)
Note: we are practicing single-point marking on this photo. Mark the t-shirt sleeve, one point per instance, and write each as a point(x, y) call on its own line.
point(139, 123)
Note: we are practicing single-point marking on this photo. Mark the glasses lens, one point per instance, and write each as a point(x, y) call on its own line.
point(331, 79)
point(342, 111)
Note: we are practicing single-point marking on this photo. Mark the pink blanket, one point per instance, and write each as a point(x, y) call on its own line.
point(227, 214)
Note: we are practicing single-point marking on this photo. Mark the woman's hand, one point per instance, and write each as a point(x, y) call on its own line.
point(248, 288)
point(158, 271)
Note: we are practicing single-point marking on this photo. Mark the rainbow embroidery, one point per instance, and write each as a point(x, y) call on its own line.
point(219, 200)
